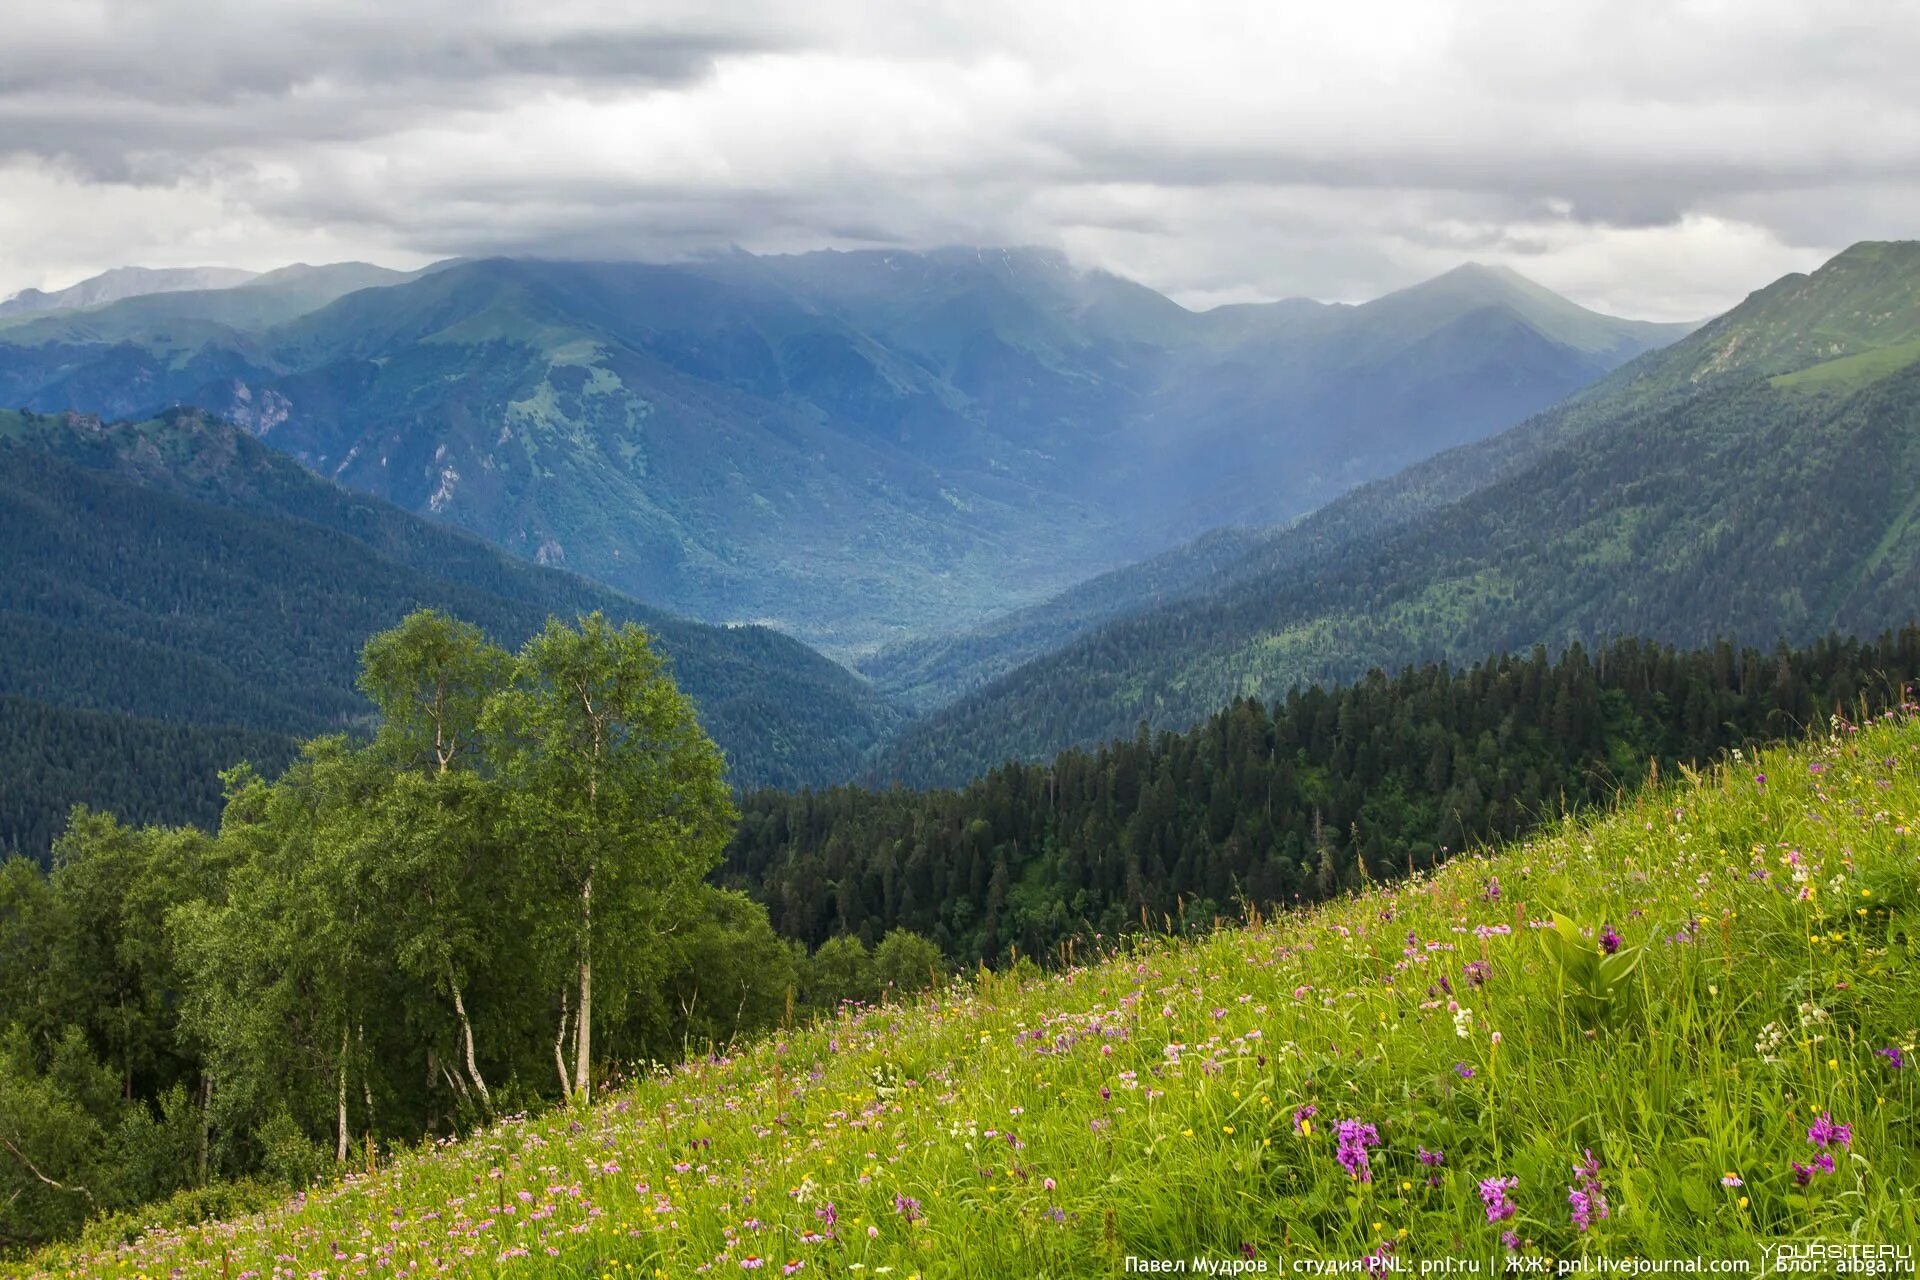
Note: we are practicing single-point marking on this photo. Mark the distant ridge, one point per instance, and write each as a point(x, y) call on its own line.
point(856, 448)
point(119, 283)
point(1753, 480)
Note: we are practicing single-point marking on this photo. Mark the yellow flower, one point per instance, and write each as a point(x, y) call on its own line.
point(1743, 1202)
point(1226, 1129)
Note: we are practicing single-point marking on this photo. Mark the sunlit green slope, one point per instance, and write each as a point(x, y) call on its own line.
point(1409, 1074)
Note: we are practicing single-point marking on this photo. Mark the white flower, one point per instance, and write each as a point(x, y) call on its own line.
point(1463, 1022)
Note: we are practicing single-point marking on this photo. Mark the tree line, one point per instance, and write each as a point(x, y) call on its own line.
point(1279, 804)
point(496, 902)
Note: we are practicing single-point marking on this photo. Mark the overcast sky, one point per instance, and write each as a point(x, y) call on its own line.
point(1654, 158)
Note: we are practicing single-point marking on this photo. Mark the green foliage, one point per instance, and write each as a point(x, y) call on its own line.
point(1593, 982)
point(1153, 1102)
point(378, 933)
point(905, 963)
point(287, 1155)
point(1278, 805)
point(841, 970)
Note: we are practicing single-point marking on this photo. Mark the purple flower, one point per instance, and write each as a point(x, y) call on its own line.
point(1477, 972)
point(1354, 1139)
point(1462, 1070)
point(1302, 1115)
point(827, 1213)
point(907, 1207)
point(1511, 1239)
point(1493, 1194)
point(1825, 1132)
point(1587, 1198)
point(1609, 940)
point(1894, 1057)
point(1432, 1159)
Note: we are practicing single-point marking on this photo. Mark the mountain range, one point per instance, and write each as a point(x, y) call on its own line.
point(180, 573)
point(1754, 480)
point(855, 448)
point(862, 446)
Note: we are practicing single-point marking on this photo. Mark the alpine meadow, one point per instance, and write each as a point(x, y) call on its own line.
point(650, 641)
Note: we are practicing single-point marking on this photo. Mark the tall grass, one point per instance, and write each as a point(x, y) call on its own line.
point(1184, 1101)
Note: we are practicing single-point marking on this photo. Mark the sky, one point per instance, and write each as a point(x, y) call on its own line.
point(1652, 159)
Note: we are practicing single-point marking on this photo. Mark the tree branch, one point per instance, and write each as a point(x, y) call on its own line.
point(57, 1186)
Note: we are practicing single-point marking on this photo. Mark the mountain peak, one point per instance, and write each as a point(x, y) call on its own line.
point(1475, 286)
point(122, 282)
point(1865, 298)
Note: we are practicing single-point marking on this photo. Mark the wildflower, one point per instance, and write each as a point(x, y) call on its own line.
point(907, 1207)
point(1511, 1239)
point(1303, 1119)
point(1353, 1141)
point(1825, 1132)
point(752, 1262)
point(1493, 1194)
point(1462, 1070)
point(1731, 1180)
point(1892, 1054)
point(1432, 1159)
point(1609, 940)
point(1463, 1022)
point(793, 1265)
point(828, 1213)
point(1587, 1198)
point(1477, 972)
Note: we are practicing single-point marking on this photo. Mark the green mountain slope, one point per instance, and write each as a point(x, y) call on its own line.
point(179, 570)
point(1693, 492)
point(856, 448)
point(1327, 1086)
point(149, 771)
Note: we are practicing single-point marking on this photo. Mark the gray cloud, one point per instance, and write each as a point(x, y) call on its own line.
point(1655, 158)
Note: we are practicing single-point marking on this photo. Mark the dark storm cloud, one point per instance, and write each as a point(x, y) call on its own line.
point(1656, 157)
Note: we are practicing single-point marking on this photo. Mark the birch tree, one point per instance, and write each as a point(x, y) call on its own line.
point(620, 795)
point(452, 884)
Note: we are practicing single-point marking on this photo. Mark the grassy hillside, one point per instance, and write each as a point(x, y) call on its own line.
point(1409, 1074)
point(1712, 487)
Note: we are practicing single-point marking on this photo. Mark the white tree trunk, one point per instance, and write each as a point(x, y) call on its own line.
point(466, 1036)
point(340, 1149)
point(559, 1058)
point(583, 1030)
